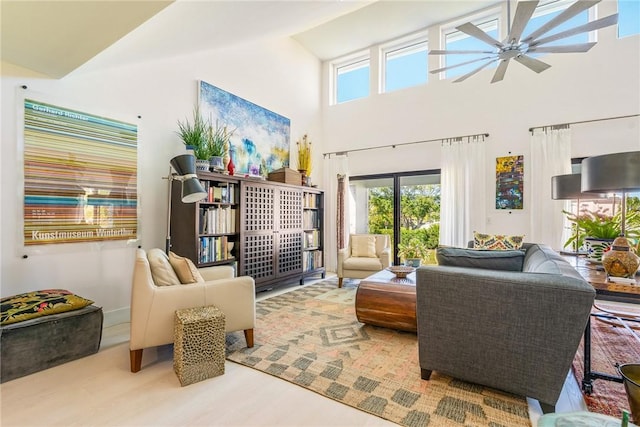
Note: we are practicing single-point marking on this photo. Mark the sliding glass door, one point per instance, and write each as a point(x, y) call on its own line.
point(405, 206)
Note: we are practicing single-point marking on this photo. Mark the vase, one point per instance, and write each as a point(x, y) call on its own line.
point(216, 163)
point(620, 260)
point(231, 167)
point(202, 165)
point(303, 176)
point(596, 248)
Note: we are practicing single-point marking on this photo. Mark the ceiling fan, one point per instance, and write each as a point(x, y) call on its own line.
point(518, 49)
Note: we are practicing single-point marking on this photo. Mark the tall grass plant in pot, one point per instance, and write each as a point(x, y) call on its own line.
point(194, 135)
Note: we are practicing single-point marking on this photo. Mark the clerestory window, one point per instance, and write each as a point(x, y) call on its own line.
point(404, 65)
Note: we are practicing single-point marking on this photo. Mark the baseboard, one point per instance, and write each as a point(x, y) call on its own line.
point(116, 317)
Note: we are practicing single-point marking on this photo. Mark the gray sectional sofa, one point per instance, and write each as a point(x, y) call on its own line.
point(513, 325)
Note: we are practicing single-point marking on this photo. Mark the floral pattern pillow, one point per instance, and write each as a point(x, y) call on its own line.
point(39, 303)
point(500, 242)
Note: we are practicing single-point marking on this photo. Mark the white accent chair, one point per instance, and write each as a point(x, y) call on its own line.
point(364, 255)
point(153, 307)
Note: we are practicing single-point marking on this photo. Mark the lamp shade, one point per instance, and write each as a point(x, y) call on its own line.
point(192, 191)
point(185, 167)
point(568, 187)
point(184, 164)
point(611, 172)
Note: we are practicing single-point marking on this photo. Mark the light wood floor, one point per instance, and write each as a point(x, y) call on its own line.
point(99, 390)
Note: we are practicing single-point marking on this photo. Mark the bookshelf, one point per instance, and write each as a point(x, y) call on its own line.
point(313, 235)
point(206, 231)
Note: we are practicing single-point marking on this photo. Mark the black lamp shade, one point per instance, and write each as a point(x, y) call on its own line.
point(568, 187)
point(611, 172)
point(184, 164)
point(192, 191)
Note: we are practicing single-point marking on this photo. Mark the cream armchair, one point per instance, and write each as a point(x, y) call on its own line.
point(364, 255)
point(153, 307)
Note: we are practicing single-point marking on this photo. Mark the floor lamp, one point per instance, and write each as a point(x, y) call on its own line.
point(615, 172)
point(191, 191)
point(568, 187)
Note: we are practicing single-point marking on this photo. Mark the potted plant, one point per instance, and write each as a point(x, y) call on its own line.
point(194, 136)
point(412, 252)
point(597, 229)
point(218, 141)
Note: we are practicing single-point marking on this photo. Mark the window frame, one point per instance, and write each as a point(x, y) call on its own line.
point(413, 43)
point(479, 19)
point(354, 62)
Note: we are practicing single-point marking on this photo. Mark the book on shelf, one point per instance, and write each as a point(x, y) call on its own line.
point(310, 200)
point(219, 192)
point(213, 249)
point(217, 220)
point(311, 239)
point(311, 260)
point(310, 219)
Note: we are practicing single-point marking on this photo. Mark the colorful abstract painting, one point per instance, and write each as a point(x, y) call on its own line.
point(80, 176)
point(260, 137)
point(509, 177)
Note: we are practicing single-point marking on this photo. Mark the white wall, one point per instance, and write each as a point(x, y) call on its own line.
point(278, 75)
point(604, 82)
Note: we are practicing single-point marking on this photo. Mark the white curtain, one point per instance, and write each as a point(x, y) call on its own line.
point(463, 190)
point(550, 155)
point(334, 165)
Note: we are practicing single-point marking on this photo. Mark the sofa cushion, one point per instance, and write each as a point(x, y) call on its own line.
point(501, 242)
point(185, 269)
point(161, 270)
point(363, 246)
point(362, 263)
point(35, 304)
point(478, 258)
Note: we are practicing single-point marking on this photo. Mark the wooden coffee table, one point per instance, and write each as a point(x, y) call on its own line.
point(385, 300)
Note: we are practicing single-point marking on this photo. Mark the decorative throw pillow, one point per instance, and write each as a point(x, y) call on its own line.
point(185, 269)
point(497, 242)
point(363, 246)
point(480, 258)
point(39, 303)
point(161, 270)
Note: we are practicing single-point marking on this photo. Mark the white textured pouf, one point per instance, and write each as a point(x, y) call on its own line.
point(199, 344)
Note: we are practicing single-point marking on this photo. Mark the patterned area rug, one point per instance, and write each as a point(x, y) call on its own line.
point(311, 337)
point(611, 344)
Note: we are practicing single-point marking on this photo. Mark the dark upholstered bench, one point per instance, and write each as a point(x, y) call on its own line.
point(34, 345)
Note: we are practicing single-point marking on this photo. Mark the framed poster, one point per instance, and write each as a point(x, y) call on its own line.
point(80, 176)
point(509, 177)
point(260, 137)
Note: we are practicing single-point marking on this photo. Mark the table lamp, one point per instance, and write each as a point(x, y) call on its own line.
point(191, 191)
point(615, 172)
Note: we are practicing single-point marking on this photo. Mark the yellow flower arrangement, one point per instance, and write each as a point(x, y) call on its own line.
point(304, 155)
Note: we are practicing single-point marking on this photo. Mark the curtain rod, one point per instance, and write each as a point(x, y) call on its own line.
point(345, 152)
point(584, 121)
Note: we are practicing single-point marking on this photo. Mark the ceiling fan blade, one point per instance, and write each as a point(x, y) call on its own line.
point(502, 69)
point(567, 14)
point(532, 63)
point(473, 31)
point(461, 64)
point(524, 12)
point(593, 25)
point(466, 76)
point(569, 48)
point(457, 52)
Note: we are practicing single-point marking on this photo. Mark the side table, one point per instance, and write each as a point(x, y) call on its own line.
point(199, 344)
point(605, 290)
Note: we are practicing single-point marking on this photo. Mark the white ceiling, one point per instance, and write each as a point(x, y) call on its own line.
point(55, 37)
